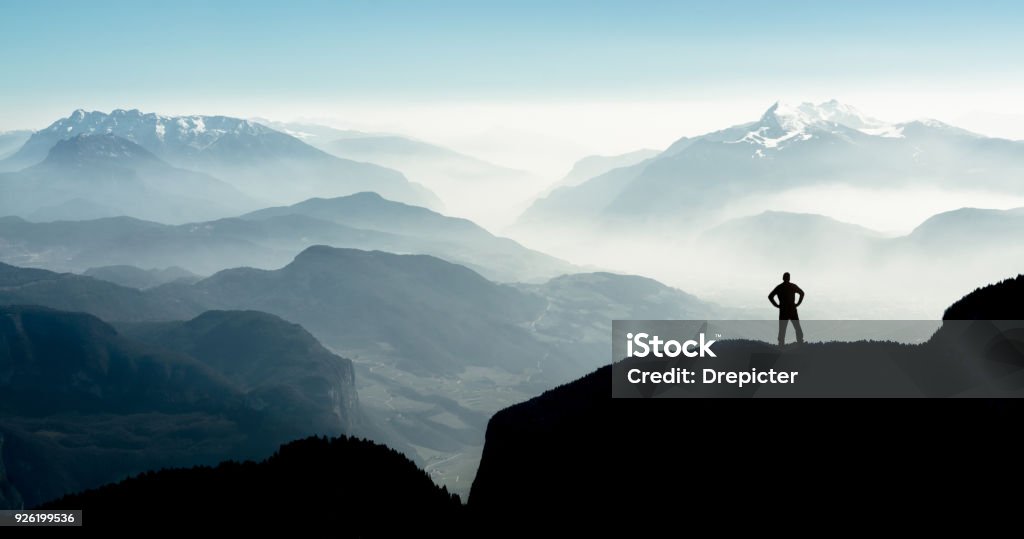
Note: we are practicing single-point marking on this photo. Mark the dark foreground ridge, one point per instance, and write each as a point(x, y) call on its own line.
point(580, 460)
point(574, 459)
point(578, 457)
point(1000, 301)
point(351, 487)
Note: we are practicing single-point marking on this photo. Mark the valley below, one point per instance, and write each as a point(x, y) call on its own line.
point(365, 302)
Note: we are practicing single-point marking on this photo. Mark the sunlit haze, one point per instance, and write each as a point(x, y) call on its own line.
point(386, 261)
point(528, 85)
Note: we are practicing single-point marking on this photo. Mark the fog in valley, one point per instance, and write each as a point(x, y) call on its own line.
point(863, 253)
point(878, 220)
point(460, 283)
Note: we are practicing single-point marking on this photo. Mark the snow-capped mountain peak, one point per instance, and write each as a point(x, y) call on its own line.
point(785, 122)
point(183, 141)
point(800, 117)
point(155, 130)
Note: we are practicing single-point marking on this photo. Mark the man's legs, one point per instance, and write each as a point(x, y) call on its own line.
point(799, 331)
point(782, 331)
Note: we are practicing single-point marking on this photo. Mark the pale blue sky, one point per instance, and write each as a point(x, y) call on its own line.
point(303, 56)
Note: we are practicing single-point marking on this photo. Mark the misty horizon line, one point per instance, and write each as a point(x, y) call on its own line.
point(321, 121)
point(722, 119)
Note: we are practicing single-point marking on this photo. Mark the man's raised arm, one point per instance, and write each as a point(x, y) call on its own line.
point(771, 297)
point(801, 292)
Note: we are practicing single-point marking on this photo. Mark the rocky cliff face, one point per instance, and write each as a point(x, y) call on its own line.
point(84, 404)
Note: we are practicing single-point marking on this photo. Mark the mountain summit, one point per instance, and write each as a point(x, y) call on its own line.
point(788, 147)
point(175, 138)
point(798, 117)
point(783, 123)
point(84, 150)
point(254, 158)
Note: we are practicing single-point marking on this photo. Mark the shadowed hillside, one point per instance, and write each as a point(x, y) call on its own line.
point(432, 314)
point(91, 176)
point(82, 404)
point(438, 347)
point(27, 286)
point(278, 364)
point(353, 487)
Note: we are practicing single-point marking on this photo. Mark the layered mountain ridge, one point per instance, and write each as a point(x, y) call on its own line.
point(271, 237)
point(790, 146)
point(257, 160)
point(103, 175)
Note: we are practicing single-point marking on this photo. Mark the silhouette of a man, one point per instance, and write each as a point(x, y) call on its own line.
point(787, 304)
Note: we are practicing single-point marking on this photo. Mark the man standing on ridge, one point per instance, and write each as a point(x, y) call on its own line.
point(787, 304)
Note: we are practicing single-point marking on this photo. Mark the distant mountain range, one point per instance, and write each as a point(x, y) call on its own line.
point(257, 160)
point(134, 277)
point(68, 292)
point(390, 150)
point(85, 404)
point(429, 315)
point(442, 346)
point(225, 325)
point(595, 165)
point(491, 195)
point(458, 240)
point(432, 315)
point(984, 236)
point(270, 238)
point(470, 187)
point(406, 306)
point(182, 140)
point(422, 161)
point(800, 239)
point(855, 272)
point(11, 141)
point(314, 134)
point(788, 147)
point(969, 229)
point(90, 176)
point(437, 347)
